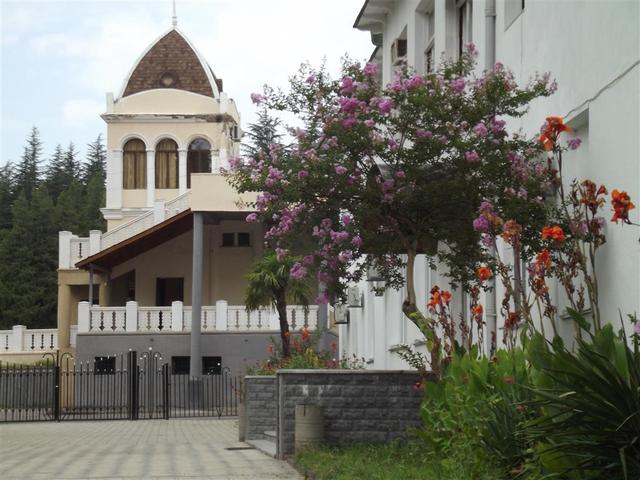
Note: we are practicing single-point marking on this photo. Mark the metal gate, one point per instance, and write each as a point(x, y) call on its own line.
point(128, 387)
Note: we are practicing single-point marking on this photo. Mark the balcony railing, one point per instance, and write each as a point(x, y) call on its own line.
point(177, 318)
point(22, 339)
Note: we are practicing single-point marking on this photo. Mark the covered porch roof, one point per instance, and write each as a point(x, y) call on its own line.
point(153, 237)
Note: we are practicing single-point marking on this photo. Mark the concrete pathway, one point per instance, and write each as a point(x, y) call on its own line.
point(165, 449)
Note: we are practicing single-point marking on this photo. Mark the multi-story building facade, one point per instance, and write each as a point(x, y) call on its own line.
point(593, 50)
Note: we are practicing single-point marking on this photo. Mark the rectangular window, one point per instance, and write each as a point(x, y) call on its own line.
point(244, 239)
point(180, 365)
point(228, 239)
point(104, 365)
point(210, 365)
point(429, 59)
point(464, 24)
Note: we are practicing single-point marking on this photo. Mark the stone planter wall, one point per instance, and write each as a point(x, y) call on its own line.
point(261, 404)
point(360, 406)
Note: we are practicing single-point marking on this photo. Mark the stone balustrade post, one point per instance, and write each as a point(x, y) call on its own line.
point(274, 320)
point(95, 241)
point(84, 313)
point(222, 313)
point(177, 316)
point(131, 311)
point(64, 249)
point(73, 334)
point(158, 212)
point(17, 337)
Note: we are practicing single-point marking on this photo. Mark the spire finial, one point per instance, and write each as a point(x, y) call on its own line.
point(174, 19)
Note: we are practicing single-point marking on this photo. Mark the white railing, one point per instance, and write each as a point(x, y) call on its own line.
point(79, 249)
point(127, 230)
point(22, 339)
point(178, 318)
point(177, 205)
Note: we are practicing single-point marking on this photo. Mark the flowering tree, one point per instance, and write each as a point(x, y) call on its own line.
point(377, 175)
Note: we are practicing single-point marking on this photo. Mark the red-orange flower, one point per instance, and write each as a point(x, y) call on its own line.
point(438, 297)
point(621, 203)
point(554, 233)
point(550, 131)
point(305, 334)
point(543, 259)
point(484, 273)
point(477, 310)
point(446, 297)
point(511, 230)
point(270, 349)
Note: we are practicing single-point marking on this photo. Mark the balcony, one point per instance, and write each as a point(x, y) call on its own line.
point(177, 318)
point(21, 339)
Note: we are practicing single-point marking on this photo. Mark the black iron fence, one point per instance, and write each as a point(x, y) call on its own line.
point(124, 387)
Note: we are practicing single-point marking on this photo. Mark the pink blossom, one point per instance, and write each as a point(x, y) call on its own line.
point(420, 133)
point(339, 237)
point(298, 271)
point(370, 69)
point(369, 123)
point(340, 170)
point(252, 217)
point(310, 79)
point(356, 241)
point(480, 130)
point(349, 122)
point(458, 85)
point(307, 260)
point(280, 254)
point(481, 224)
point(574, 143)
point(393, 145)
point(472, 156)
point(346, 219)
point(303, 174)
point(322, 299)
point(301, 133)
point(347, 85)
point(636, 328)
point(257, 99)
point(324, 277)
point(345, 256)
point(414, 82)
point(400, 174)
point(385, 105)
point(497, 125)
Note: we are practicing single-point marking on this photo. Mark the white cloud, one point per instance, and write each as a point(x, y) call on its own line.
point(79, 112)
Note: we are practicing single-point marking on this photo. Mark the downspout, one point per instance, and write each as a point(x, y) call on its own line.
point(490, 61)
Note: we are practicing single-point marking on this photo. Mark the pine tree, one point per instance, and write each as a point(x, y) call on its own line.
point(28, 253)
point(96, 161)
point(28, 174)
point(54, 175)
point(94, 177)
point(7, 191)
point(261, 135)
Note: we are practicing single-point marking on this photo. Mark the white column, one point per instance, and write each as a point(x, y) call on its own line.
point(177, 318)
point(95, 241)
point(114, 178)
point(132, 316)
point(215, 161)
point(182, 170)
point(73, 335)
point(158, 212)
point(83, 317)
point(17, 337)
point(379, 333)
point(151, 177)
point(64, 249)
point(221, 315)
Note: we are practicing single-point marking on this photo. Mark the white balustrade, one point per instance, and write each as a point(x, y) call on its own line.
point(177, 205)
point(299, 318)
point(107, 319)
point(154, 319)
point(79, 250)
point(127, 230)
point(239, 319)
point(22, 339)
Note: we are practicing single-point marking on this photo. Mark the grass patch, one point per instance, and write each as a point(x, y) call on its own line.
point(390, 461)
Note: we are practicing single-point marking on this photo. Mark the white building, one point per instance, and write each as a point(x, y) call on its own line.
point(593, 50)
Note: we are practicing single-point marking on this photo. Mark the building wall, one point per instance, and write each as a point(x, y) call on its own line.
point(593, 50)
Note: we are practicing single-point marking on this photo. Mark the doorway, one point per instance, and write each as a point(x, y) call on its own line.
point(169, 290)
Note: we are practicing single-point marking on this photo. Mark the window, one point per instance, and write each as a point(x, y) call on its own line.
point(198, 158)
point(399, 51)
point(240, 239)
point(210, 365)
point(169, 290)
point(134, 165)
point(167, 164)
point(464, 24)
point(512, 10)
point(429, 59)
point(429, 52)
point(104, 365)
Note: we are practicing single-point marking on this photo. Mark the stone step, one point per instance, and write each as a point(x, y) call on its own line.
point(265, 446)
point(270, 434)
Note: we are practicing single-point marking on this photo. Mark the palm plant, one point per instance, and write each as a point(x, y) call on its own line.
point(270, 284)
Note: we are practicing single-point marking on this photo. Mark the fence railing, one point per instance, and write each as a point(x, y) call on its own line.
point(22, 339)
point(178, 318)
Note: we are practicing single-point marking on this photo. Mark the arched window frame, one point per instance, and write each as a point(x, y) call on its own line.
point(166, 164)
point(198, 158)
point(134, 165)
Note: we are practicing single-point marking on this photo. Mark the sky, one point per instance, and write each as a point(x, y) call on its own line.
point(59, 58)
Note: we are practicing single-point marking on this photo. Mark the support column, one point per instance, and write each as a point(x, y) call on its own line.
point(64, 249)
point(195, 366)
point(17, 336)
point(103, 292)
point(182, 170)
point(151, 177)
point(114, 179)
point(64, 315)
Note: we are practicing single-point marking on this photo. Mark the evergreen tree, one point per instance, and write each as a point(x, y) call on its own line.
point(6, 196)
point(261, 135)
point(69, 211)
point(96, 161)
point(94, 177)
point(55, 180)
point(28, 174)
point(28, 253)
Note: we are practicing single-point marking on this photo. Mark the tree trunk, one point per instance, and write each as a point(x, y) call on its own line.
point(281, 307)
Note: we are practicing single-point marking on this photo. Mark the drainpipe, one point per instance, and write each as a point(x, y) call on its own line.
point(490, 61)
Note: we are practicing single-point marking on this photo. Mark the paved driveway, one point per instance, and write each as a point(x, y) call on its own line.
point(164, 449)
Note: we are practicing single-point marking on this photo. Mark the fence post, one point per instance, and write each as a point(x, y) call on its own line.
point(132, 383)
point(56, 393)
point(165, 390)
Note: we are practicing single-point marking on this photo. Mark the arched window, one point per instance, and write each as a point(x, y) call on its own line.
point(198, 158)
point(167, 164)
point(134, 165)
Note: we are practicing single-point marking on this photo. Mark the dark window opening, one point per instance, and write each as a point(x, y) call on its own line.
point(134, 165)
point(244, 239)
point(180, 365)
point(228, 239)
point(210, 365)
point(104, 365)
point(169, 290)
point(198, 158)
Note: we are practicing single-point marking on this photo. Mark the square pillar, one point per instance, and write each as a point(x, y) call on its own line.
point(17, 337)
point(131, 311)
point(64, 249)
point(114, 179)
point(182, 170)
point(222, 313)
point(158, 212)
point(95, 241)
point(151, 177)
point(84, 313)
point(195, 366)
point(177, 317)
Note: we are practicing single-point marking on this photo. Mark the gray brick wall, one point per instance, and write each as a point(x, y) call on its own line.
point(261, 403)
point(362, 406)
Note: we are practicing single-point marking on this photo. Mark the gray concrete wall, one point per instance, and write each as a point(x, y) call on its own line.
point(360, 406)
point(261, 404)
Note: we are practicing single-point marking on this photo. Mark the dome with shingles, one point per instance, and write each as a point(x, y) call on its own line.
point(172, 62)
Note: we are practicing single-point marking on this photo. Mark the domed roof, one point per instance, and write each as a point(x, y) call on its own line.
point(172, 62)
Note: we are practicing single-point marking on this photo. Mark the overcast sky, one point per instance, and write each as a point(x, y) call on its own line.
point(59, 58)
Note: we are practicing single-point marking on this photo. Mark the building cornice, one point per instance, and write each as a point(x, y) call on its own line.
point(167, 118)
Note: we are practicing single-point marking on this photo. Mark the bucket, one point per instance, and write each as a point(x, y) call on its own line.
point(309, 426)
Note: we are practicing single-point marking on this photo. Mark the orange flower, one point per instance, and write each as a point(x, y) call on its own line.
point(484, 273)
point(543, 259)
point(621, 203)
point(550, 131)
point(435, 298)
point(511, 230)
point(446, 297)
point(477, 310)
point(305, 334)
point(554, 233)
point(270, 349)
